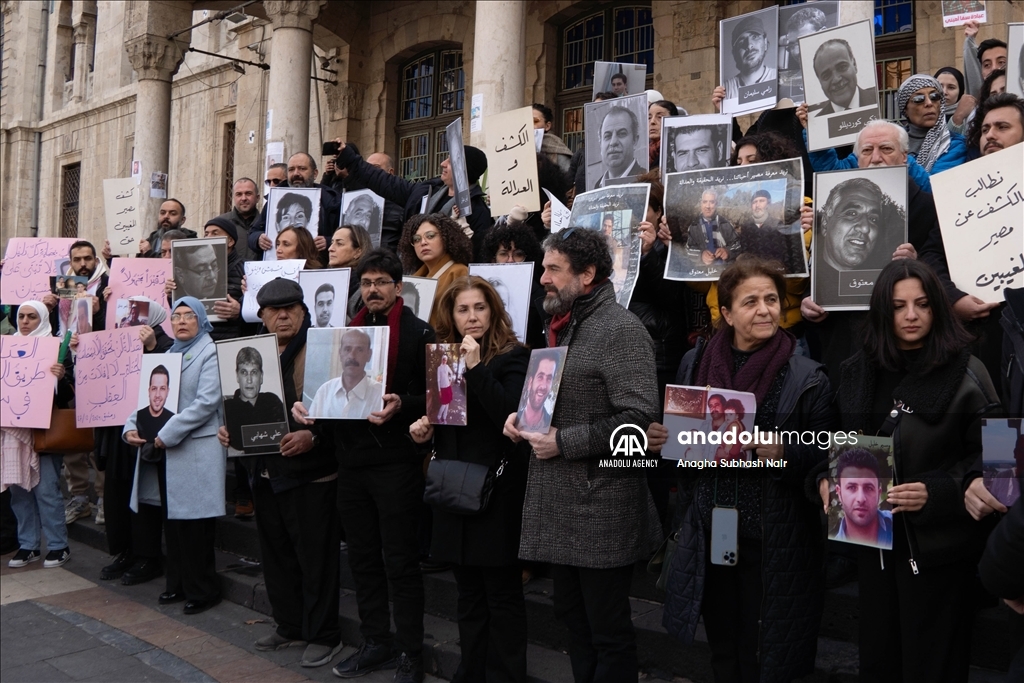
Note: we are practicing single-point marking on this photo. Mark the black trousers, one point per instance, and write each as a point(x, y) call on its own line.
point(594, 605)
point(242, 491)
point(914, 628)
point(380, 507)
point(298, 531)
point(191, 566)
point(731, 609)
point(492, 624)
point(137, 533)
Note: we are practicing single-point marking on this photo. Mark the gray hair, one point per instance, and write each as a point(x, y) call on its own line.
point(879, 124)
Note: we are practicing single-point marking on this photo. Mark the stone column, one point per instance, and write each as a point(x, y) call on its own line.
point(155, 59)
point(81, 35)
point(498, 60)
point(291, 54)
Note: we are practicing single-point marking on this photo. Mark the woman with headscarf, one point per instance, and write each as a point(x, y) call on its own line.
point(920, 99)
point(191, 471)
point(952, 82)
point(34, 478)
point(133, 538)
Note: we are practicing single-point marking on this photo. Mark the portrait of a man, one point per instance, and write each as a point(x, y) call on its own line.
point(620, 132)
point(620, 84)
point(362, 211)
point(533, 415)
point(199, 270)
point(617, 149)
point(355, 394)
point(324, 304)
point(696, 147)
point(859, 487)
point(138, 314)
point(836, 70)
point(293, 210)
point(750, 46)
point(795, 22)
point(411, 296)
point(850, 226)
point(762, 234)
point(712, 239)
point(249, 405)
point(151, 419)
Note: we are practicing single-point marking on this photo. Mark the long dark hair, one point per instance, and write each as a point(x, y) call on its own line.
point(943, 343)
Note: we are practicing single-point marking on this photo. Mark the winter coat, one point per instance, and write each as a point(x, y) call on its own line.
point(658, 304)
point(330, 218)
point(792, 538)
point(490, 538)
point(576, 514)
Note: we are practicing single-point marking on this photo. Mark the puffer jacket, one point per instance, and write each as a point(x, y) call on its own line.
point(792, 534)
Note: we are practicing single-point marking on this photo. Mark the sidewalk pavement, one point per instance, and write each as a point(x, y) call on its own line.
point(64, 624)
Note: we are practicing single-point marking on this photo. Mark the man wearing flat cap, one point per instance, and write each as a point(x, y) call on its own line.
point(295, 497)
point(750, 46)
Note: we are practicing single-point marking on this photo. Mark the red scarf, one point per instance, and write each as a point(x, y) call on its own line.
point(756, 375)
point(558, 323)
point(394, 324)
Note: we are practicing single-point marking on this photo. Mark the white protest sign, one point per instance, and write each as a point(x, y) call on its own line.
point(981, 213)
point(259, 273)
point(512, 161)
point(559, 213)
point(121, 208)
point(959, 12)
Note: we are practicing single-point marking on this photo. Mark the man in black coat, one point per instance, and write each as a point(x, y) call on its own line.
point(342, 181)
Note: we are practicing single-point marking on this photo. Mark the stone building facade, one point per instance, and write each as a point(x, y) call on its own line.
point(89, 86)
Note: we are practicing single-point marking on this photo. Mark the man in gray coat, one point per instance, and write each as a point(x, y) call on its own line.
point(591, 524)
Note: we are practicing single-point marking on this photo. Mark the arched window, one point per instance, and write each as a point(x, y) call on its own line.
point(617, 34)
point(433, 87)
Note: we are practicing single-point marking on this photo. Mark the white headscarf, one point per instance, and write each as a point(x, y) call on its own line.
point(43, 329)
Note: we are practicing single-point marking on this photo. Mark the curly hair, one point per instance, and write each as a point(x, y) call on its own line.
point(770, 147)
point(505, 235)
point(499, 337)
point(455, 242)
point(583, 248)
point(305, 247)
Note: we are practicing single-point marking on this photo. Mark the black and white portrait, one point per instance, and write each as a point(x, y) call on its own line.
point(617, 212)
point(253, 391)
point(694, 142)
point(860, 219)
point(457, 162)
point(346, 372)
point(201, 270)
point(714, 216)
point(621, 79)
point(366, 209)
point(617, 144)
point(749, 45)
point(839, 83)
point(514, 283)
point(288, 207)
point(795, 22)
point(418, 295)
point(1015, 60)
point(325, 293)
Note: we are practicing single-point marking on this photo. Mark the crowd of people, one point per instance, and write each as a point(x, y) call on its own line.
point(924, 365)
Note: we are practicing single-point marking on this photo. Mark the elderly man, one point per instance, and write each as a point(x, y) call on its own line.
point(619, 135)
point(836, 69)
point(342, 181)
point(590, 525)
point(750, 46)
point(245, 197)
point(712, 239)
point(197, 272)
point(355, 394)
point(295, 494)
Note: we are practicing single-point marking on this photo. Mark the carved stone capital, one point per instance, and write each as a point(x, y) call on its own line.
point(154, 57)
point(81, 33)
point(293, 13)
point(6, 7)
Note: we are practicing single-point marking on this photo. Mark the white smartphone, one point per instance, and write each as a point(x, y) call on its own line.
point(724, 526)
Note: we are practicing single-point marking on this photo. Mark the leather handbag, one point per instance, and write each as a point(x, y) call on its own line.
point(461, 488)
point(63, 436)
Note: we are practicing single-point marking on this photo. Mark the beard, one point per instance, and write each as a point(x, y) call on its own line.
point(563, 298)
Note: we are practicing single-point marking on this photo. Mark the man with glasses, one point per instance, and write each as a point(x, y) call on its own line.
point(380, 483)
point(277, 175)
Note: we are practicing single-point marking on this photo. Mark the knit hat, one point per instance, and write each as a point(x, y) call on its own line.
point(762, 193)
point(279, 293)
point(476, 163)
point(224, 224)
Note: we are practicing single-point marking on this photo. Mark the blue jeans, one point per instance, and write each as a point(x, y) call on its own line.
point(43, 505)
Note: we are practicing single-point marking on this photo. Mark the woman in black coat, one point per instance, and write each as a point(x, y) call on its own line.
point(484, 547)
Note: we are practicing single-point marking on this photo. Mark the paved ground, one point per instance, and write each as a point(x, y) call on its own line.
point(64, 625)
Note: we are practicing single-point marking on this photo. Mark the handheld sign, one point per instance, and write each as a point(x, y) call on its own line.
point(107, 370)
point(29, 263)
point(27, 397)
point(457, 163)
point(512, 161)
point(121, 208)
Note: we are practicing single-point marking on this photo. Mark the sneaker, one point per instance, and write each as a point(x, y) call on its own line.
point(118, 567)
point(318, 655)
point(101, 518)
point(244, 509)
point(274, 641)
point(410, 669)
point(369, 657)
point(23, 557)
point(77, 508)
point(56, 558)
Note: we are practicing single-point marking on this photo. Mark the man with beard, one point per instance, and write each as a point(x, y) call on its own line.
point(590, 524)
point(244, 196)
point(302, 172)
point(750, 46)
point(248, 405)
point(712, 239)
point(694, 148)
point(171, 217)
point(836, 69)
point(295, 494)
point(533, 416)
point(859, 488)
point(1002, 123)
point(355, 394)
point(619, 134)
point(323, 304)
point(761, 234)
point(380, 483)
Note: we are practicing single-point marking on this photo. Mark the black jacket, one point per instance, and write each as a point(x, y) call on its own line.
point(330, 219)
point(1012, 363)
point(491, 538)
point(394, 215)
point(360, 443)
point(659, 305)
point(792, 534)
point(236, 327)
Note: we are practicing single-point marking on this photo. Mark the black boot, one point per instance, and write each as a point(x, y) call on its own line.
point(118, 567)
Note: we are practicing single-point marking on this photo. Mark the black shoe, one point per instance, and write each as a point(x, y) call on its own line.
point(434, 567)
point(197, 606)
point(118, 567)
point(410, 669)
point(170, 597)
point(370, 657)
point(145, 569)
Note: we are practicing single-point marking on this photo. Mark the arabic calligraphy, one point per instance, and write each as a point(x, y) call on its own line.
point(857, 284)
point(121, 205)
point(107, 373)
point(1013, 198)
point(27, 384)
point(520, 139)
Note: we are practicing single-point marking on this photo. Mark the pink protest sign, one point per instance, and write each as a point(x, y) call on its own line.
point(28, 265)
point(137, 277)
point(28, 384)
point(107, 377)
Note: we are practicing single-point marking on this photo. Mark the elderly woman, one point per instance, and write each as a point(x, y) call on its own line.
point(920, 99)
point(348, 245)
point(296, 243)
point(916, 381)
point(484, 547)
point(34, 478)
point(191, 471)
point(435, 246)
point(762, 614)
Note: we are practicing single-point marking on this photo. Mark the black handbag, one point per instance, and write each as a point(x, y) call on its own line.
point(461, 488)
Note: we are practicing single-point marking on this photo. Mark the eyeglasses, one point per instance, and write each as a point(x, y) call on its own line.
point(273, 181)
point(187, 317)
point(416, 239)
point(919, 98)
point(379, 284)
